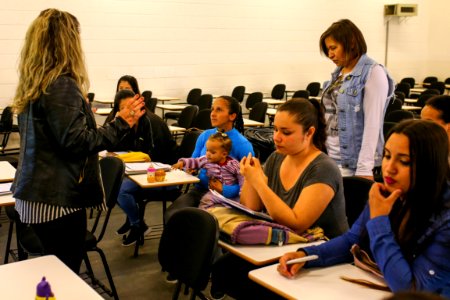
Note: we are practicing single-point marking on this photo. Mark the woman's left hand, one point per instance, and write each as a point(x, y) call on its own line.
point(133, 110)
point(381, 205)
point(251, 169)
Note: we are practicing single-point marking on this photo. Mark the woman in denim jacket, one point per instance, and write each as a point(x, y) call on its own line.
point(355, 101)
point(405, 227)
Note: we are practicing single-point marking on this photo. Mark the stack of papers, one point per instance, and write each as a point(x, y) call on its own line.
point(141, 168)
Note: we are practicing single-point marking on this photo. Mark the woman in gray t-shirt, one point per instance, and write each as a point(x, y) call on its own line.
point(300, 186)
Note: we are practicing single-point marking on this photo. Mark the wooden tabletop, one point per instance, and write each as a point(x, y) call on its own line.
point(174, 177)
point(7, 172)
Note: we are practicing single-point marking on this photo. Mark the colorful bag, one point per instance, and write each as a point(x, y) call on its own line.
point(239, 228)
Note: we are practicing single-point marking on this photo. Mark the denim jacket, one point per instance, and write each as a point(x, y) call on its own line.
point(351, 113)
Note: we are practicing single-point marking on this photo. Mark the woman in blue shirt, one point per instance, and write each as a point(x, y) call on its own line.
point(225, 116)
point(405, 227)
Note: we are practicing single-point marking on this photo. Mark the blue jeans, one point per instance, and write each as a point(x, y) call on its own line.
point(130, 194)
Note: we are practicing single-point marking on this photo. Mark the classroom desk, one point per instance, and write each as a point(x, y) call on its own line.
point(103, 111)
point(171, 107)
point(273, 102)
point(110, 101)
point(252, 123)
point(7, 200)
point(21, 278)
point(263, 254)
point(7, 172)
point(167, 98)
point(411, 101)
point(319, 283)
point(271, 111)
point(416, 90)
point(174, 129)
point(174, 177)
point(411, 107)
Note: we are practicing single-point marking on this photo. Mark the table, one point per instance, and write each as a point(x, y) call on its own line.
point(174, 129)
point(263, 254)
point(411, 107)
point(411, 101)
point(252, 123)
point(174, 177)
point(274, 102)
point(103, 111)
point(7, 200)
point(7, 172)
point(21, 278)
point(319, 283)
point(167, 98)
point(171, 107)
point(110, 102)
point(271, 111)
point(416, 90)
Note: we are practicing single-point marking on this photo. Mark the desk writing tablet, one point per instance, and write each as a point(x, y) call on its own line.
point(7, 172)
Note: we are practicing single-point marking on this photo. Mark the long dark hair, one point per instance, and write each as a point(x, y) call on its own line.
point(308, 113)
point(132, 81)
point(234, 107)
point(428, 150)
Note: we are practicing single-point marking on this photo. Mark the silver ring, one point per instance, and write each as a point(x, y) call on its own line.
point(132, 113)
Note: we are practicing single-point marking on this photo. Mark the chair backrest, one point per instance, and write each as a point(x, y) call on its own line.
point(398, 115)
point(150, 103)
point(404, 88)
point(205, 101)
point(430, 79)
point(193, 96)
point(431, 91)
point(409, 80)
point(253, 98)
point(258, 112)
point(187, 116)
point(356, 192)
point(438, 85)
point(313, 88)
point(387, 126)
point(301, 94)
point(401, 96)
point(187, 144)
point(188, 245)
point(91, 97)
point(278, 91)
point(394, 104)
point(447, 80)
point(6, 120)
point(112, 171)
point(203, 119)
point(423, 99)
point(238, 93)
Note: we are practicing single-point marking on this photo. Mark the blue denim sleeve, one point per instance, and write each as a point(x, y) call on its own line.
point(337, 250)
point(430, 270)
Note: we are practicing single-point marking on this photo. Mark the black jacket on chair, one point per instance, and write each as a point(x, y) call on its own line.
point(59, 145)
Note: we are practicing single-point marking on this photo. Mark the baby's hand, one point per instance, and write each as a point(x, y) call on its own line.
point(178, 165)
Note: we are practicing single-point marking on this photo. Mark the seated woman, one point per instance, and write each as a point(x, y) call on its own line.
point(299, 187)
point(405, 227)
point(152, 136)
point(126, 82)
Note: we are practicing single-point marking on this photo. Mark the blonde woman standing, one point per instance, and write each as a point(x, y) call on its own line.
point(58, 173)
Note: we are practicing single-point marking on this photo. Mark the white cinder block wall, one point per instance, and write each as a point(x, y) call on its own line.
point(172, 46)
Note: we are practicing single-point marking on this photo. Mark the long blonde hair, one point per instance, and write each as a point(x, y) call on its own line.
point(52, 48)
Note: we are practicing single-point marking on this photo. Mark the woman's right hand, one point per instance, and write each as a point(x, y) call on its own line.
point(133, 110)
point(290, 271)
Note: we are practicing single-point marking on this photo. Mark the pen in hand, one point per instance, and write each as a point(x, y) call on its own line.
point(302, 259)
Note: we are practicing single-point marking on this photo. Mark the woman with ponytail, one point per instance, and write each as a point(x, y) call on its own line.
point(299, 187)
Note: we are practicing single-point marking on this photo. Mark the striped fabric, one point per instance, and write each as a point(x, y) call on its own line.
point(36, 212)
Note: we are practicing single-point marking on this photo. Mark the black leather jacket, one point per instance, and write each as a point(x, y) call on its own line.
point(59, 145)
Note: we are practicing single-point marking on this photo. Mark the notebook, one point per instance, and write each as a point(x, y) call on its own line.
point(228, 202)
point(141, 168)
